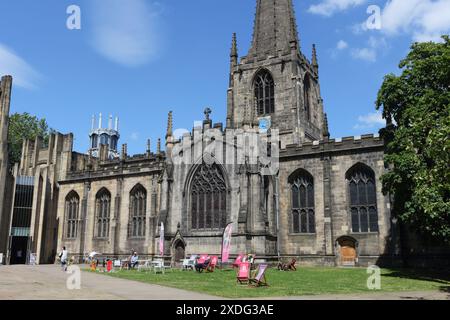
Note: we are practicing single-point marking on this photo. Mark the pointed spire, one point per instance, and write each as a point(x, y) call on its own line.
point(169, 125)
point(116, 127)
point(110, 122)
point(275, 28)
point(124, 151)
point(234, 50)
point(314, 61)
point(100, 121)
point(158, 146)
point(233, 59)
point(93, 123)
point(149, 146)
point(325, 130)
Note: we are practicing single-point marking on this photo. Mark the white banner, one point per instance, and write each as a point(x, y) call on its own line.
point(161, 240)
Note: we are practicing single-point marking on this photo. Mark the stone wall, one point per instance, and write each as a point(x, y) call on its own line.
point(339, 156)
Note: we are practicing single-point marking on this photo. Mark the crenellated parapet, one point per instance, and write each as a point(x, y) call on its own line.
point(338, 145)
point(131, 165)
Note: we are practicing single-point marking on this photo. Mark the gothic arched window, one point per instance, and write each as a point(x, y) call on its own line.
point(303, 212)
point(72, 215)
point(363, 199)
point(264, 93)
point(102, 213)
point(307, 97)
point(208, 198)
point(94, 141)
point(138, 205)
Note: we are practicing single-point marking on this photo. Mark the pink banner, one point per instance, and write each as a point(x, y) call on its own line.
point(161, 240)
point(226, 242)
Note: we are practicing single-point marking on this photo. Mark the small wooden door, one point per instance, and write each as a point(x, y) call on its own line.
point(179, 252)
point(348, 256)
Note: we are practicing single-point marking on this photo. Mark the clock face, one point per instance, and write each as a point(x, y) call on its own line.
point(264, 124)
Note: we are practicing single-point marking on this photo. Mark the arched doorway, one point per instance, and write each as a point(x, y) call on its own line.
point(179, 252)
point(347, 251)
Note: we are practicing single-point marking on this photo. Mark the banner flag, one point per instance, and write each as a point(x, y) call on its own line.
point(161, 240)
point(226, 242)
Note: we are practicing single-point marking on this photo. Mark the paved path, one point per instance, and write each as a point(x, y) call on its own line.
point(48, 282)
point(415, 295)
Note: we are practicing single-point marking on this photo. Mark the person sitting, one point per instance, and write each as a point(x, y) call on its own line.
point(134, 260)
point(199, 267)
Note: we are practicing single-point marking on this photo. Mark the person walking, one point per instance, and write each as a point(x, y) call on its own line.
point(63, 257)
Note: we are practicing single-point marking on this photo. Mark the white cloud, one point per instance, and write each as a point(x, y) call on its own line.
point(342, 45)
point(329, 7)
point(424, 20)
point(366, 54)
point(359, 28)
point(371, 120)
point(11, 64)
point(370, 53)
point(128, 32)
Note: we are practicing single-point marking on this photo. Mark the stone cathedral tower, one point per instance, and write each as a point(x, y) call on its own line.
point(5, 98)
point(275, 84)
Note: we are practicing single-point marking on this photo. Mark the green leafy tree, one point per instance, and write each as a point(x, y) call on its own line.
point(416, 105)
point(21, 127)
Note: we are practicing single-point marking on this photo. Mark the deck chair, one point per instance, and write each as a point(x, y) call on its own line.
point(243, 273)
point(202, 258)
point(202, 264)
point(291, 266)
point(288, 267)
point(212, 264)
point(260, 277)
point(117, 264)
point(144, 266)
point(189, 264)
point(238, 260)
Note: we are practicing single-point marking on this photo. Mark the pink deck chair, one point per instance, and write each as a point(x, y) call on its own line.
point(238, 260)
point(243, 273)
point(202, 258)
point(212, 264)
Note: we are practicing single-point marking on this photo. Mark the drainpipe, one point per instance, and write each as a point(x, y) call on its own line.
point(277, 211)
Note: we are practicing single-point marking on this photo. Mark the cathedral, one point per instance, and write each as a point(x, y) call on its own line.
point(272, 169)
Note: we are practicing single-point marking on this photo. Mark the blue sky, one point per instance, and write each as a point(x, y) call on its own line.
point(139, 59)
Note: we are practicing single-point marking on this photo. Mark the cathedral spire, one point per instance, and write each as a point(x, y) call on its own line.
point(314, 62)
point(234, 50)
point(325, 130)
point(158, 146)
point(275, 28)
point(169, 125)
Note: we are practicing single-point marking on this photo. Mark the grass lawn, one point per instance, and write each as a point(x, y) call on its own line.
point(305, 281)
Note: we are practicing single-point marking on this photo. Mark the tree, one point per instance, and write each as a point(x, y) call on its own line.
point(21, 127)
point(416, 106)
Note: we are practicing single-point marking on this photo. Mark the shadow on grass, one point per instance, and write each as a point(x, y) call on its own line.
point(437, 276)
point(444, 289)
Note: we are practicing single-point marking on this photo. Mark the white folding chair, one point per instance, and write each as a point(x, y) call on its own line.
point(158, 266)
